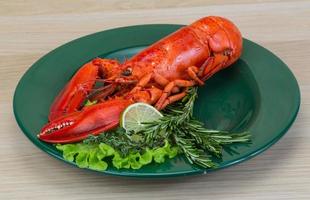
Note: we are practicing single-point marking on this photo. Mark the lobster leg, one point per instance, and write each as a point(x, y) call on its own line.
point(160, 79)
point(142, 83)
point(168, 89)
point(150, 95)
point(155, 94)
point(157, 78)
point(205, 65)
point(214, 65)
point(192, 72)
point(163, 82)
point(173, 99)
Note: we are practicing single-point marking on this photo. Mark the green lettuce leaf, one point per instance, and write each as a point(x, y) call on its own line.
point(95, 156)
point(85, 156)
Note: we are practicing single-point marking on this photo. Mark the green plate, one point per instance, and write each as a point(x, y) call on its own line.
point(258, 93)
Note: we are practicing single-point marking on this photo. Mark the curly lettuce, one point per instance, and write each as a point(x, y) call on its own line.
point(96, 156)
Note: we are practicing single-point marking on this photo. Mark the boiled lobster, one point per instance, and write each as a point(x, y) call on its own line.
point(158, 75)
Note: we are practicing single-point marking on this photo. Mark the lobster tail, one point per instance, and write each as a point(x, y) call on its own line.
point(232, 35)
point(223, 40)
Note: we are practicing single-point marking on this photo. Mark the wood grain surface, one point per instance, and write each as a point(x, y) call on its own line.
point(30, 29)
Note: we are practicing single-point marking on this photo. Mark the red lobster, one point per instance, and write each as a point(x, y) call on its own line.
point(159, 75)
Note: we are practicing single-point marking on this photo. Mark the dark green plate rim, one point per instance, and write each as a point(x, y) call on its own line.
point(259, 74)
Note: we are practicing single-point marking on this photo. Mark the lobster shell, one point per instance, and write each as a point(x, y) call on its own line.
point(158, 75)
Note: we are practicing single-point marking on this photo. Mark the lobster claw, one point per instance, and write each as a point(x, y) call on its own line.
point(79, 125)
point(74, 93)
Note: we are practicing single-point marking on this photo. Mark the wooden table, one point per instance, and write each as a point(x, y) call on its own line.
point(30, 30)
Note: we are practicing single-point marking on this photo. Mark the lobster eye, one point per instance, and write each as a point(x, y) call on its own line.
point(127, 72)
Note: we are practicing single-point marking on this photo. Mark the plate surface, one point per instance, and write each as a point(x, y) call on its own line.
point(258, 93)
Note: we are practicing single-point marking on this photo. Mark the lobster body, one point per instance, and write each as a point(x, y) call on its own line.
point(158, 75)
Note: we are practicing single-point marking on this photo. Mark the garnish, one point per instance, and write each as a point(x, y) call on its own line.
point(135, 115)
point(176, 132)
point(96, 155)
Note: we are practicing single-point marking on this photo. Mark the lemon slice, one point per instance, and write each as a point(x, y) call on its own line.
point(134, 115)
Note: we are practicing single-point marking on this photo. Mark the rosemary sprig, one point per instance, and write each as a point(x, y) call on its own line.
point(193, 139)
point(193, 154)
